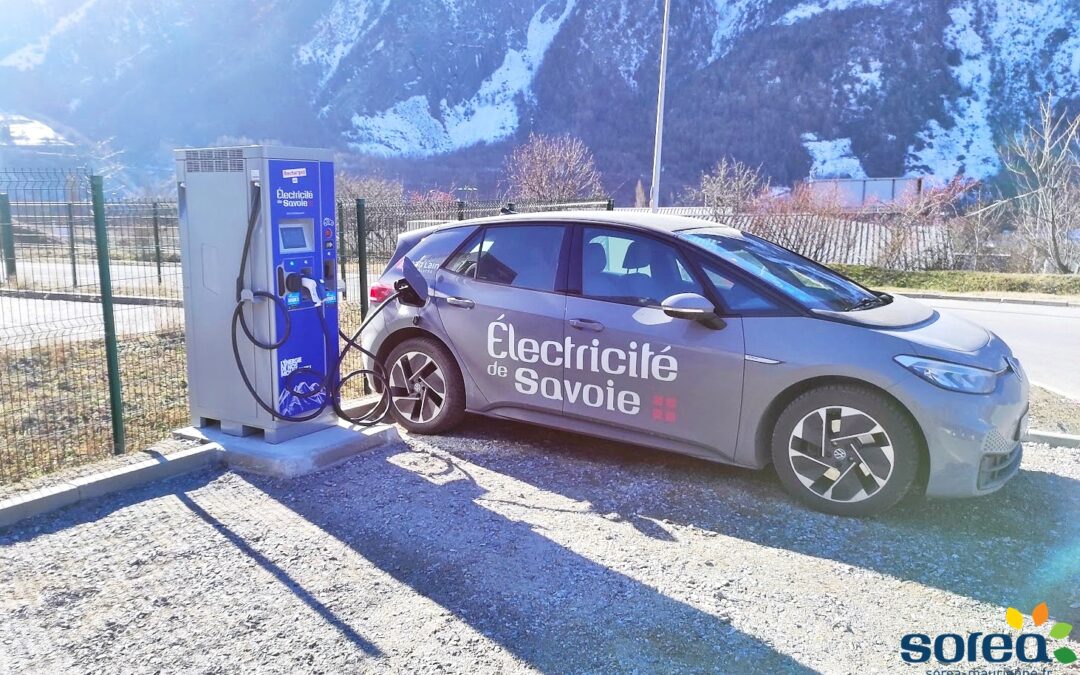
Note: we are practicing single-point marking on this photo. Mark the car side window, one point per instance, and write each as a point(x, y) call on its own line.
point(522, 256)
point(737, 296)
point(626, 267)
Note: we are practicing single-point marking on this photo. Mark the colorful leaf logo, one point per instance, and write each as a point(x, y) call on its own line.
point(1014, 618)
point(1039, 615)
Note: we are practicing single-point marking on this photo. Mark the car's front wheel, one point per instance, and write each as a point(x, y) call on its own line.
point(846, 450)
point(426, 388)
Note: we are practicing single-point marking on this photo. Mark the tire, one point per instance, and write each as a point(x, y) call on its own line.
point(428, 393)
point(870, 456)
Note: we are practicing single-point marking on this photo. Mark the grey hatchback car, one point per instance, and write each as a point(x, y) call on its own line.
point(679, 334)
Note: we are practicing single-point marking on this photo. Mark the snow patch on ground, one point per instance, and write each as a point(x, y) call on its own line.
point(832, 158)
point(337, 33)
point(32, 55)
point(1021, 30)
point(809, 10)
point(966, 146)
point(867, 78)
point(23, 131)
point(409, 128)
point(732, 18)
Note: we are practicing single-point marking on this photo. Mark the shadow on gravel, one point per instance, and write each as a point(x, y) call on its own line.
point(552, 608)
point(1017, 547)
point(282, 576)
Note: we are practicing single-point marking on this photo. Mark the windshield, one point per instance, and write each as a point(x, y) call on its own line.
point(806, 282)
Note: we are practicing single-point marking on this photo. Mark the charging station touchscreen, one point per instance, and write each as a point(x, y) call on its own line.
point(302, 194)
point(295, 235)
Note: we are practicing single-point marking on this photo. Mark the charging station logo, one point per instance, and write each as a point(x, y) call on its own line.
point(286, 367)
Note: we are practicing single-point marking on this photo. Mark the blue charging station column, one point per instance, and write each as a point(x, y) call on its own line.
point(304, 231)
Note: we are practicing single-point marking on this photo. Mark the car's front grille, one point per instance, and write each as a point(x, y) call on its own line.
point(997, 468)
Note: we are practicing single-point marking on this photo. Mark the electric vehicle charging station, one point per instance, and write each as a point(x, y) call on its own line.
point(258, 237)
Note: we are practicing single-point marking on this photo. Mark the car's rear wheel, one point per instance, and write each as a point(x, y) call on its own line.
point(428, 394)
point(846, 450)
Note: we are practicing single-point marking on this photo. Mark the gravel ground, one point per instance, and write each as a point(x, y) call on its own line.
point(1053, 412)
point(506, 548)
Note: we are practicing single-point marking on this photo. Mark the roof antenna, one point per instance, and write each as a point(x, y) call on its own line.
point(508, 210)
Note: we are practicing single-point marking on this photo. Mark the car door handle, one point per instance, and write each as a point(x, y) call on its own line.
point(586, 324)
point(460, 302)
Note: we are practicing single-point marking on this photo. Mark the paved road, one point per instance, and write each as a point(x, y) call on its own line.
point(1046, 339)
point(31, 322)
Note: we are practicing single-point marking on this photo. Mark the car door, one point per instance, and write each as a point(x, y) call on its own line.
point(638, 367)
point(501, 303)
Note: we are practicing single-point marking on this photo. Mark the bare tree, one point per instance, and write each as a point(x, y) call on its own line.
point(1044, 161)
point(731, 187)
point(640, 200)
point(374, 189)
point(918, 231)
point(385, 207)
point(552, 168)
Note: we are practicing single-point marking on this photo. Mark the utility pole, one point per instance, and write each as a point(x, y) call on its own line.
point(654, 189)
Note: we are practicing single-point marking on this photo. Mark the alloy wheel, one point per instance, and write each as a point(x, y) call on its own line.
point(841, 454)
point(417, 387)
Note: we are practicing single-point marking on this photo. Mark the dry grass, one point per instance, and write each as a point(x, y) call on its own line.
point(56, 411)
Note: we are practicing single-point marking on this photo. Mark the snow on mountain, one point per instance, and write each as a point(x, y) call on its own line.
point(338, 33)
point(967, 146)
point(832, 158)
point(23, 131)
point(410, 128)
point(833, 87)
point(808, 10)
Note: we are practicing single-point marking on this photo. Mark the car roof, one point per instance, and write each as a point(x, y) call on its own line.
point(660, 222)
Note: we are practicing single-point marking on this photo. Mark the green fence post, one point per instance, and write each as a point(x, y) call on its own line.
point(7, 237)
point(460, 209)
point(71, 245)
point(610, 204)
point(112, 358)
point(157, 242)
point(342, 286)
point(361, 253)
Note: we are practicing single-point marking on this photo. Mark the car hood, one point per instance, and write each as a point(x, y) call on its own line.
point(931, 333)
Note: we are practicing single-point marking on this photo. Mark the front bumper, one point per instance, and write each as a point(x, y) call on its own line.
point(973, 441)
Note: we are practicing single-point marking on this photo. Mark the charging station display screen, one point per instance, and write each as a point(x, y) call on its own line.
point(296, 235)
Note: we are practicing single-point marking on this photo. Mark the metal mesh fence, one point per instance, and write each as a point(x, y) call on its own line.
point(55, 409)
point(62, 326)
point(144, 252)
point(59, 407)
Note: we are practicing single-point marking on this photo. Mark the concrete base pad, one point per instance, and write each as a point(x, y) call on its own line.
point(298, 456)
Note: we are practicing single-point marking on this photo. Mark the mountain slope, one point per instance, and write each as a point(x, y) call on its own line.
point(437, 89)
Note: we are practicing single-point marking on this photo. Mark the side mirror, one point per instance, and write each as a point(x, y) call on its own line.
point(693, 307)
point(687, 306)
point(412, 286)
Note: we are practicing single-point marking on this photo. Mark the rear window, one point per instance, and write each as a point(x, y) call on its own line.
point(429, 253)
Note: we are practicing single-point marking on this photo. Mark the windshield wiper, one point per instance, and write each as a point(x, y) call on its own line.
point(870, 303)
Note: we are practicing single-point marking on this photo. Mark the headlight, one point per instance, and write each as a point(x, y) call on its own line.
point(951, 376)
